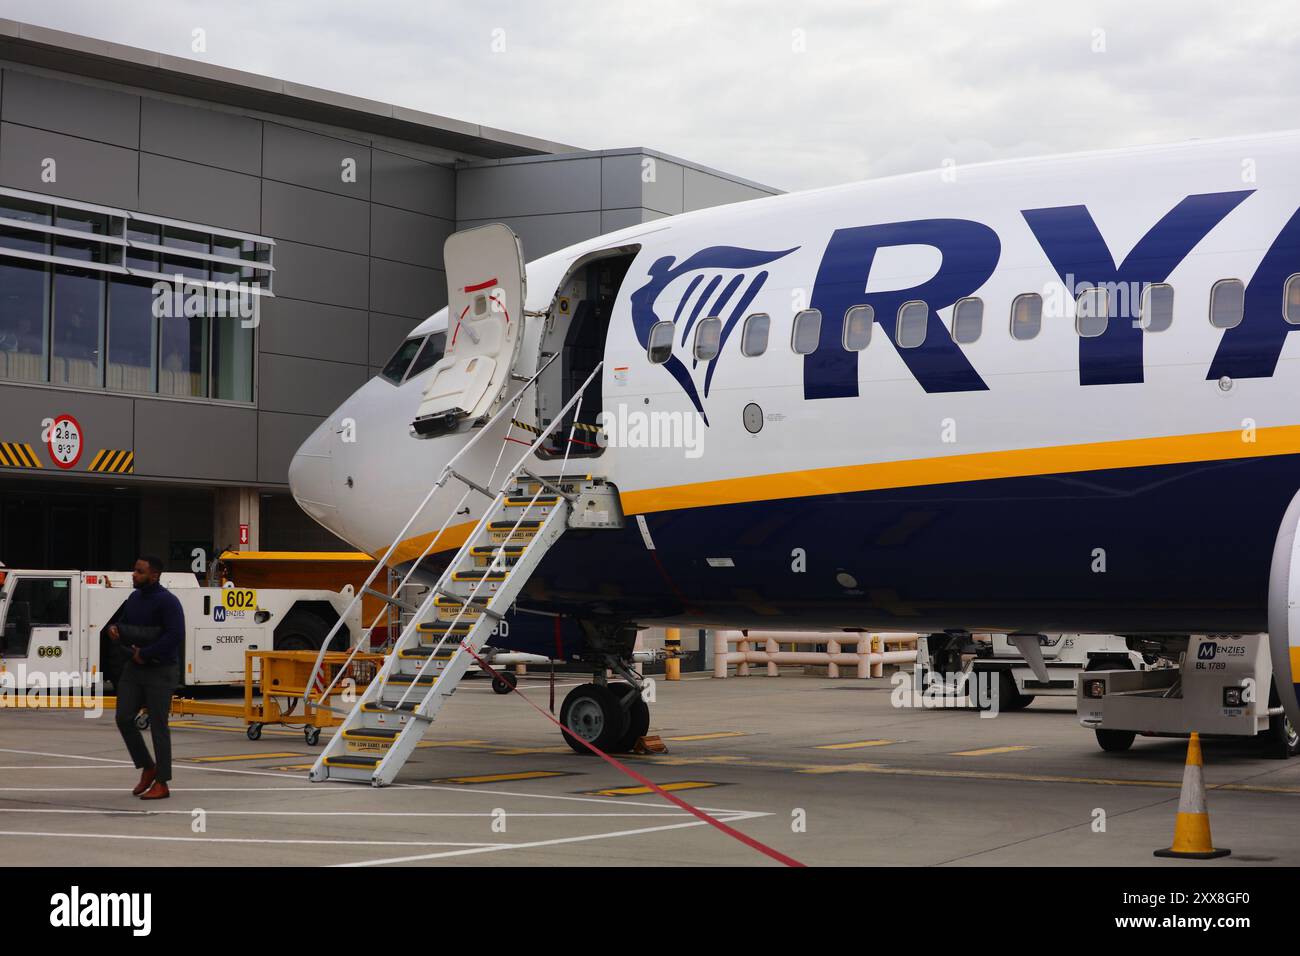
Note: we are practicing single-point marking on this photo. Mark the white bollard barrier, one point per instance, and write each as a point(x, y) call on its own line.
point(869, 657)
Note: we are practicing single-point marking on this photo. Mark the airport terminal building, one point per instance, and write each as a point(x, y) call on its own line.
point(134, 418)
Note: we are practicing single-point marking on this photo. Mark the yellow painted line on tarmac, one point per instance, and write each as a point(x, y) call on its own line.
point(986, 751)
point(642, 791)
point(717, 736)
point(504, 777)
point(855, 745)
point(294, 767)
point(842, 768)
point(227, 757)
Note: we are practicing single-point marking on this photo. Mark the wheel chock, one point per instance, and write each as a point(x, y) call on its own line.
point(650, 745)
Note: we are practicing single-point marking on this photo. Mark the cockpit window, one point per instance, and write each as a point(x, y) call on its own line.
point(401, 360)
point(434, 347)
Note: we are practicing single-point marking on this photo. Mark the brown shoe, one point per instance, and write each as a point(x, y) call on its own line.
point(146, 778)
point(157, 791)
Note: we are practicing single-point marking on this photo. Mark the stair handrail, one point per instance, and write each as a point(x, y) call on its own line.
point(443, 475)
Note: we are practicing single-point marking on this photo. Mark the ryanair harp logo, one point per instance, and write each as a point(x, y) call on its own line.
point(718, 281)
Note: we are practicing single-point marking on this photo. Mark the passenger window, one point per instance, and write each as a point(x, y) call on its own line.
point(1157, 310)
point(1292, 300)
point(401, 360)
point(913, 317)
point(1227, 303)
point(857, 327)
point(660, 346)
point(967, 320)
point(753, 337)
point(708, 336)
point(1091, 313)
point(1026, 316)
point(434, 347)
point(807, 331)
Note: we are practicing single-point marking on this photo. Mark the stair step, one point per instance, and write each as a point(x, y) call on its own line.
point(526, 524)
point(526, 501)
point(425, 681)
point(481, 574)
point(373, 735)
point(406, 708)
point(353, 761)
point(421, 651)
point(442, 627)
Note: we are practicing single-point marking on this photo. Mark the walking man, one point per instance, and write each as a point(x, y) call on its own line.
point(150, 627)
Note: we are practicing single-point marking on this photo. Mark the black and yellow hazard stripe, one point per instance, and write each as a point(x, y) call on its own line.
point(17, 454)
point(113, 461)
point(579, 426)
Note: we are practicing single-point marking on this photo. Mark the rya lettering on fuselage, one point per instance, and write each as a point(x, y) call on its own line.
point(724, 280)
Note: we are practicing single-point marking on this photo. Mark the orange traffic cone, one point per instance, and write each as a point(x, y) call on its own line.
point(1192, 828)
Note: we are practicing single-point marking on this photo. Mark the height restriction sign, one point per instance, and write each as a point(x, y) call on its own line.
point(65, 441)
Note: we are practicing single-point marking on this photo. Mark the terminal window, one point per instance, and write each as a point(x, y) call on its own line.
point(99, 298)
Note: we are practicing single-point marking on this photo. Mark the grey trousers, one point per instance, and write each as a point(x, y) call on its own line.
point(149, 687)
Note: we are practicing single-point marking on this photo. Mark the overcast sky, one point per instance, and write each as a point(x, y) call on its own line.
point(790, 94)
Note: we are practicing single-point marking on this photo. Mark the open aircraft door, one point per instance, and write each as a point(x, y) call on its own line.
point(485, 317)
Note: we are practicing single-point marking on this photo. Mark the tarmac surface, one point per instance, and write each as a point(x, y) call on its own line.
point(828, 772)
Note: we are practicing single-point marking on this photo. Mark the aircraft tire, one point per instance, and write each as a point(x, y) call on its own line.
point(638, 718)
point(593, 713)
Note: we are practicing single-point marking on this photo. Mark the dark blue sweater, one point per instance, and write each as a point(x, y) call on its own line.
point(154, 606)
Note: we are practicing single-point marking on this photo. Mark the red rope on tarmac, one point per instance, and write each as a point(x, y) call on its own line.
point(645, 782)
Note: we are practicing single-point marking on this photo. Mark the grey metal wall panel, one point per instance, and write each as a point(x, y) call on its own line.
point(310, 159)
point(278, 437)
point(204, 194)
point(386, 331)
point(305, 386)
point(193, 440)
point(313, 330)
point(78, 109)
point(701, 190)
point(528, 189)
point(201, 135)
point(321, 275)
point(623, 183)
point(408, 236)
point(410, 184)
point(612, 219)
point(106, 420)
point(544, 234)
point(400, 289)
point(94, 172)
point(312, 216)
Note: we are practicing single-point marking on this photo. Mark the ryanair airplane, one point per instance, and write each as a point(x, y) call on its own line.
point(1041, 395)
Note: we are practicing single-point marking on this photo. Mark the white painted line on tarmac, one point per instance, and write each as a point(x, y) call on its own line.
point(181, 839)
point(558, 841)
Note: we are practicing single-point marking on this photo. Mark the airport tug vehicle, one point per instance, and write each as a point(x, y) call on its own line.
point(50, 624)
point(1215, 684)
point(983, 667)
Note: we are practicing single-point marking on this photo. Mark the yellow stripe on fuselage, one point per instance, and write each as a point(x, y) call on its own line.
point(950, 469)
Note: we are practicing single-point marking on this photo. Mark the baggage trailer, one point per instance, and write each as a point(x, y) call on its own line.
point(1219, 685)
point(50, 624)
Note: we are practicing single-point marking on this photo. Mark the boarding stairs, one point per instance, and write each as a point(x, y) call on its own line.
point(443, 635)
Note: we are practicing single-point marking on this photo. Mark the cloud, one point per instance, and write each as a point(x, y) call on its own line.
point(795, 95)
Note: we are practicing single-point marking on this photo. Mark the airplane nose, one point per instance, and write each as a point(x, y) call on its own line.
point(311, 476)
